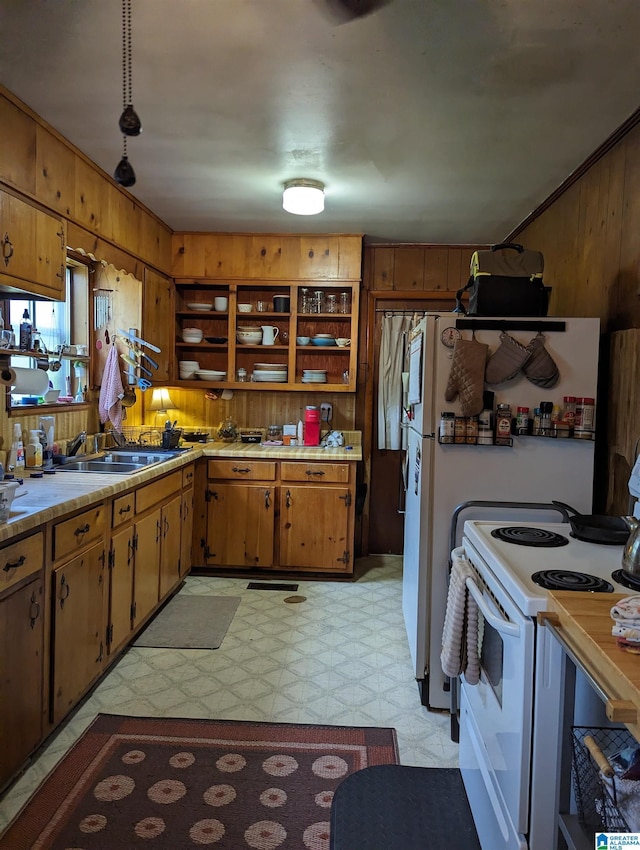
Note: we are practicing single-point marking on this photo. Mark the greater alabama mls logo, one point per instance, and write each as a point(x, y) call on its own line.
point(617, 840)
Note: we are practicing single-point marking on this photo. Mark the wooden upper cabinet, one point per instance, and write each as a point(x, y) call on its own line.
point(225, 256)
point(17, 147)
point(157, 326)
point(33, 249)
point(55, 173)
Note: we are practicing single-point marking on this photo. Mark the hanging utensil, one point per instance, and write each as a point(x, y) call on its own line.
point(134, 338)
point(143, 384)
point(135, 365)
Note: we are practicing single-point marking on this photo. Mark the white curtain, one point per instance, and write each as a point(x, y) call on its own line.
point(390, 386)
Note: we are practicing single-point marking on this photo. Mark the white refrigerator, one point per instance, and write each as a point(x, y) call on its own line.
point(439, 477)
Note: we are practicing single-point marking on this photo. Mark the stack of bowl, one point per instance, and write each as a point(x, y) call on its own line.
point(188, 369)
point(270, 372)
point(193, 335)
point(248, 335)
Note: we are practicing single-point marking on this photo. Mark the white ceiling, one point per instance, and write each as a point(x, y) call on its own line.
point(442, 121)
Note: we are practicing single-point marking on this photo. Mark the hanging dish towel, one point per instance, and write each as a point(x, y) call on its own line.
point(111, 391)
point(460, 636)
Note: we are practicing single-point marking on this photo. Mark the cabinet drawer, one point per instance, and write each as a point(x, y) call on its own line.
point(188, 474)
point(123, 509)
point(242, 469)
point(158, 491)
point(19, 560)
point(324, 473)
point(74, 534)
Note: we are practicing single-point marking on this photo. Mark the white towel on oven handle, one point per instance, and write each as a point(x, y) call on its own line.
point(460, 635)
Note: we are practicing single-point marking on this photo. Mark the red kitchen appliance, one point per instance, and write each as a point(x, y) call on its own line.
point(312, 426)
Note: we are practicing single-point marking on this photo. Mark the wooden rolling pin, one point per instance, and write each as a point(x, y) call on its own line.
point(598, 756)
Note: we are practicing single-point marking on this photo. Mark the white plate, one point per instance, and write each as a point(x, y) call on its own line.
point(210, 375)
point(314, 380)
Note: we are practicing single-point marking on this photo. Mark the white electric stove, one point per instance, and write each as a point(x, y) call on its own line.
point(510, 722)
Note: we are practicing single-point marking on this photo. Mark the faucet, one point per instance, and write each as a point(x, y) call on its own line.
point(74, 444)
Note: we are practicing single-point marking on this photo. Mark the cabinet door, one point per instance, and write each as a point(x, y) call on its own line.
point(146, 580)
point(186, 532)
point(170, 546)
point(314, 528)
point(240, 525)
point(21, 653)
point(78, 628)
point(35, 252)
point(120, 587)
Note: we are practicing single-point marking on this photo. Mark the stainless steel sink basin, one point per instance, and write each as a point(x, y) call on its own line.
point(118, 461)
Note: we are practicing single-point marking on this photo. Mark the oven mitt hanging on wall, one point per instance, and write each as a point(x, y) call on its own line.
point(541, 368)
point(507, 360)
point(466, 377)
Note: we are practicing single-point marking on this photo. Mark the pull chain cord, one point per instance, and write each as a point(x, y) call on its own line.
point(129, 122)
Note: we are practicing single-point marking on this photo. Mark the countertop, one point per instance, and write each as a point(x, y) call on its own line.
point(584, 623)
point(52, 496)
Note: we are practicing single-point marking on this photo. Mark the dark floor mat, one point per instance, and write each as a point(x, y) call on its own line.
point(393, 807)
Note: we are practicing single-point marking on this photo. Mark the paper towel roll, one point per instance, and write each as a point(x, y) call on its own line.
point(25, 381)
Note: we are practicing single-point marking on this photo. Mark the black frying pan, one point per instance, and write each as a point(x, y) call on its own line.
point(597, 528)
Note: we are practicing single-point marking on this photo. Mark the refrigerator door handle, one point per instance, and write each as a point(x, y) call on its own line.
point(402, 490)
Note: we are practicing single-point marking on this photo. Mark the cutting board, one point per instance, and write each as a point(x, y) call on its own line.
point(584, 622)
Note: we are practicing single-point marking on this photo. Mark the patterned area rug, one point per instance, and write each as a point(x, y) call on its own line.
point(167, 784)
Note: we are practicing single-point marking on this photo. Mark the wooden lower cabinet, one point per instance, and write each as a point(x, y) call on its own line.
point(170, 548)
point(121, 559)
point(21, 674)
point(240, 524)
point(186, 530)
point(300, 520)
point(314, 528)
point(146, 581)
point(79, 638)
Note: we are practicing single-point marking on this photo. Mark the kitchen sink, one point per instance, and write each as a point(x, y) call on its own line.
point(118, 461)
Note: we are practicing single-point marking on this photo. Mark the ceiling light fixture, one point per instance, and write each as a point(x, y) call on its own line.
point(303, 197)
point(129, 123)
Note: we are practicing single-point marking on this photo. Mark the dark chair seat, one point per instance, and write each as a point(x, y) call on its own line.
point(393, 807)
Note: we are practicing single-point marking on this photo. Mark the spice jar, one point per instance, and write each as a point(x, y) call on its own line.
point(585, 416)
point(447, 426)
point(522, 421)
point(460, 429)
point(472, 430)
point(503, 425)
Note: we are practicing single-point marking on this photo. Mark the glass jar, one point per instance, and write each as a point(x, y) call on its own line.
point(331, 303)
point(447, 426)
point(345, 302)
point(242, 375)
point(304, 306)
point(318, 301)
point(274, 433)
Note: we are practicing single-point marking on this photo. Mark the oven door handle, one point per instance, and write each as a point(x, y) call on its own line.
point(491, 614)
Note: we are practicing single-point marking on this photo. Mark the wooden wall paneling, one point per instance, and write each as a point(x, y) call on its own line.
point(89, 197)
point(623, 416)
point(125, 217)
point(264, 258)
point(593, 205)
point(54, 173)
point(157, 309)
point(409, 268)
point(17, 147)
point(628, 287)
point(612, 236)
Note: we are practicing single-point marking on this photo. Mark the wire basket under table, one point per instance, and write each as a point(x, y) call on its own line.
point(596, 798)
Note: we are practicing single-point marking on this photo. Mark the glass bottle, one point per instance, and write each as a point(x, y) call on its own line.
point(345, 302)
point(331, 305)
point(304, 305)
point(318, 299)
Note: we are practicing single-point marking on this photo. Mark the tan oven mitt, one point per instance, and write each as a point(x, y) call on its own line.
point(541, 368)
point(466, 377)
point(507, 360)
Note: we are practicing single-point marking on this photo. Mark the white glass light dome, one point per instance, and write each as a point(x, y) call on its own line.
point(303, 197)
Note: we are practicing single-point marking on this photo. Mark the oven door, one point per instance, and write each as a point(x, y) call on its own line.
point(496, 716)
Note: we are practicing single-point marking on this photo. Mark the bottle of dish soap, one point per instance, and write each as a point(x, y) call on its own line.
point(16, 455)
point(33, 452)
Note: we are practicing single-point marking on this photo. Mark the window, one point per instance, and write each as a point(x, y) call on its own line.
point(56, 326)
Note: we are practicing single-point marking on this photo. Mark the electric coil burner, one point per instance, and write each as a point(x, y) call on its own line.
point(569, 580)
point(627, 579)
point(523, 535)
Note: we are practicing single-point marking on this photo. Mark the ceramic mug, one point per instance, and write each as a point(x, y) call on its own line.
point(269, 334)
point(343, 342)
point(220, 303)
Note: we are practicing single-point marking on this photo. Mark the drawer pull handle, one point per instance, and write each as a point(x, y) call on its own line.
point(288, 500)
point(239, 469)
point(65, 590)
point(267, 499)
point(124, 510)
point(82, 530)
point(314, 472)
point(15, 564)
